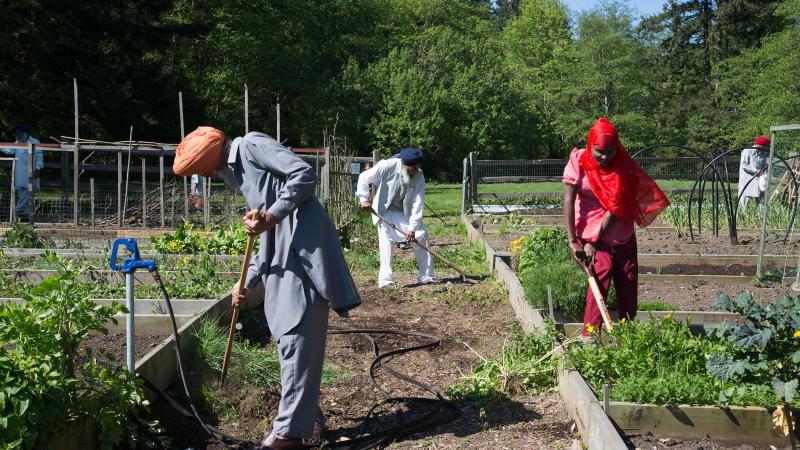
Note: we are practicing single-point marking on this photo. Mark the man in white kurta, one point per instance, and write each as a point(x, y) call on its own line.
point(400, 198)
point(21, 178)
point(752, 171)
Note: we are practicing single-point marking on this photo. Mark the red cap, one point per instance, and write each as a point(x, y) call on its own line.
point(761, 140)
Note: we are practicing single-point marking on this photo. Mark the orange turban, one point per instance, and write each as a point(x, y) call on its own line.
point(199, 152)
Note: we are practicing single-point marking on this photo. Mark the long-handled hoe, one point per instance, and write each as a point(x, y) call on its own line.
point(466, 278)
point(235, 315)
point(598, 297)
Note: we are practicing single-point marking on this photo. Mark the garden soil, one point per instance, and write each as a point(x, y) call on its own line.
point(114, 345)
point(649, 442)
point(472, 321)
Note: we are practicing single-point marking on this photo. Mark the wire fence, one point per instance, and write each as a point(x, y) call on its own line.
point(133, 187)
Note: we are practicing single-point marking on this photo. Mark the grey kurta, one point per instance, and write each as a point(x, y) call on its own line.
point(303, 243)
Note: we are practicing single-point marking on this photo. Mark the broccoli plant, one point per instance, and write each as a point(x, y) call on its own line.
point(765, 346)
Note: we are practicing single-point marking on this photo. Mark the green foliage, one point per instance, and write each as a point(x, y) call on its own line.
point(43, 382)
point(230, 240)
point(545, 260)
point(524, 365)
point(656, 305)
point(661, 362)
point(253, 364)
point(23, 235)
point(511, 78)
point(765, 344)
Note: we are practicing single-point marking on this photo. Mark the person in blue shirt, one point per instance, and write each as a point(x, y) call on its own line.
point(21, 179)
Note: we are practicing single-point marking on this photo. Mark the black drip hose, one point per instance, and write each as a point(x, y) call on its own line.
point(374, 440)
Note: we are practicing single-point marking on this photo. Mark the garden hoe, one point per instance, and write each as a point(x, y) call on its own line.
point(466, 278)
point(235, 315)
point(598, 297)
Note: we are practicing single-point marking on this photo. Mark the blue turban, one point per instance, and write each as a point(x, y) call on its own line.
point(411, 156)
point(21, 127)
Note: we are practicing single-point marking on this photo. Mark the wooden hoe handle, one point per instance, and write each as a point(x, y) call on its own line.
point(598, 297)
point(235, 315)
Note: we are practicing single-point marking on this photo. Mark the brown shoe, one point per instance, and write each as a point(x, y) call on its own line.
point(271, 442)
point(318, 436)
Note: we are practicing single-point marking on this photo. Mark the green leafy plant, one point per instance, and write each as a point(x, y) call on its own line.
point(230, 240)
point(22, 235)
point(660, 362)
point(656, 305)
point(526, 364)
point(545, 260)
point(764, 346)
point(44, 384)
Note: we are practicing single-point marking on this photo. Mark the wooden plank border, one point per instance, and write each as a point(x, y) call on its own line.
point(730, 425)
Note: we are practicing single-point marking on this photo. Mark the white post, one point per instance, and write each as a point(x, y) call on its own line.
point(75, 161)
point(119, 189)
point(185, 183)
point(91, 200)
point(161, 185)
point(278, 125)
point(12, 204)
point(206, 190)
point(129, 341)
point(29, 200)
point(246, 111)
point(144, 195)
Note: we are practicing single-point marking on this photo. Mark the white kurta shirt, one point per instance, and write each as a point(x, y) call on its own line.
point(387, 177)
point(753, 160)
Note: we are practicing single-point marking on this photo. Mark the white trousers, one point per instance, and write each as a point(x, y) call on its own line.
point(386, 239)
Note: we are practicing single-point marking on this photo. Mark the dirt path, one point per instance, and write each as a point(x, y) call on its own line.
point(468, 319)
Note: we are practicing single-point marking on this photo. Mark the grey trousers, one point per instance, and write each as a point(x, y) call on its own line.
point(301, 352)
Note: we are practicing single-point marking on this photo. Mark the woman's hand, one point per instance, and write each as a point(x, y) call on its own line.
point(578, 253)
point(590, 251)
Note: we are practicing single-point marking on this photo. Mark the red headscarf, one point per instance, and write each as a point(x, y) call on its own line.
point(622, 187)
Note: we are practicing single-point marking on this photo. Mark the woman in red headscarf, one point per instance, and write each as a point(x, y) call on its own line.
point(605, 192)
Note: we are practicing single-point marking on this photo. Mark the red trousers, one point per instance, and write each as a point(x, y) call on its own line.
point(619, 263)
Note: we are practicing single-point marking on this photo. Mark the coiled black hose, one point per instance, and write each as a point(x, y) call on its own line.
point(444, 412)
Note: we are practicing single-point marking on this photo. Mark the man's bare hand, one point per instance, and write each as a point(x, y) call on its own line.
point(238, 296)
point(410, 235)
point(257, 223)
point(366, 206)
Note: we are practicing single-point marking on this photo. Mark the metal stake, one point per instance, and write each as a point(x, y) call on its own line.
point(130, 344)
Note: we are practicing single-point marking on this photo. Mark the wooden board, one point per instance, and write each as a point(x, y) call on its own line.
point(732, 425)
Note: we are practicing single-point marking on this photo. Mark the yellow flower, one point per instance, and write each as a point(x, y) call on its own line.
point(517, 244)
point(589, 328)
point(621, 321)
point(667, 316)
point(797, 334)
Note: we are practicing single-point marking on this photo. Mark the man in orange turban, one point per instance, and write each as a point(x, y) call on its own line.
point(299, 261)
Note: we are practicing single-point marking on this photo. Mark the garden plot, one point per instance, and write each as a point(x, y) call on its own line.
point(636, 400)
point(473, 322)
point(674, 281)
